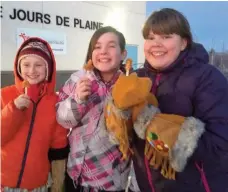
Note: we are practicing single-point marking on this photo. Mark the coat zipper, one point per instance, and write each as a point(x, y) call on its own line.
point(156, 83)
point(27, 145)
point(149, 175)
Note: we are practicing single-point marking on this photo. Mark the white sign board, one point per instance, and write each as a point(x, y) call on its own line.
point(57, 40)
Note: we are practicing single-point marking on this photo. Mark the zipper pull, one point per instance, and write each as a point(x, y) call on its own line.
point(156, 83)
point(158, 78)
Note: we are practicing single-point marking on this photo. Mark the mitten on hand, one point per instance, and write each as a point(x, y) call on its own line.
point(170, 141)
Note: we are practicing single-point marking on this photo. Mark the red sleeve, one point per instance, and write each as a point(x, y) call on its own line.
point(59, 139)
point(11, 120)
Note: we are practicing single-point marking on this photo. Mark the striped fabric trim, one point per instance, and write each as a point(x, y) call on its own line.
point(39, 189)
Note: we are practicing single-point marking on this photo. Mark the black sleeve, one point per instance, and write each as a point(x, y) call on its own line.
point(58, 154)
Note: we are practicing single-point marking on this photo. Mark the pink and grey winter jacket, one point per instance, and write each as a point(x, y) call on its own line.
point(93, 160)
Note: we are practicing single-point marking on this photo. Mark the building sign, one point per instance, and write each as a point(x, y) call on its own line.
point(57, 40)
point(45, 18)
